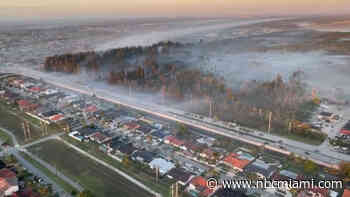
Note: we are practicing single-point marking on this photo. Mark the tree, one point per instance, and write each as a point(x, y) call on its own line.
point(126, 161)
point(86, 193)
point(344, 170)
point(182, 130)
point(310, 167)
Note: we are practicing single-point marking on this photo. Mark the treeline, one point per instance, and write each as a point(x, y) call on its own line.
point(250, 104)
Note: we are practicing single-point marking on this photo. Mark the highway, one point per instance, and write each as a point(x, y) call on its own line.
point(326, 157)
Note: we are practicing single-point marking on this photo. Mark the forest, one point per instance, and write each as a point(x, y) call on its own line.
point(153, 70)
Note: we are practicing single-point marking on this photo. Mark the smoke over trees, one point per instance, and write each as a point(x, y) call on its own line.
point(144, 69)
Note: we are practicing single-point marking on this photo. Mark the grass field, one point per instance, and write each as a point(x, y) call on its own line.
point(66, 186)
point(4, 137)
point(140, 174)
point(102, 181)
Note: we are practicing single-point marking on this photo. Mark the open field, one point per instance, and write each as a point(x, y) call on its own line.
point(5, 138)
point(100, 180)
point(133, 170)
point(66, 186)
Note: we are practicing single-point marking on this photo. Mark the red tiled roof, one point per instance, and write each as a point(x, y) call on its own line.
point(233, 160)
point(200, 182)
point(346, 193)
point(56, 117)
point(35, 89)
point(345, 132)
point(132, 125)
point(23, 103)
point(4, 185)
point(7, 174)
point(91, 108)
point(173, 140)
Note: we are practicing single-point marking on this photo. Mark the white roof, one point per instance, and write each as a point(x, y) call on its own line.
point(163, 165)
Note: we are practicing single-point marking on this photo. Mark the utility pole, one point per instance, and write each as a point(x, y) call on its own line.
point(172, 190)
point(177, 189)
point(270, 117)
point(24, 131)
point(157, 174)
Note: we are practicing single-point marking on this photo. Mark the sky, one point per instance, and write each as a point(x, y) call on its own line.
point(22, 9)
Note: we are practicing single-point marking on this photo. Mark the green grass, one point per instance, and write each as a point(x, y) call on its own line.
point(66, 186)
point(5, 137)
point(141, 175)
point(102, 181)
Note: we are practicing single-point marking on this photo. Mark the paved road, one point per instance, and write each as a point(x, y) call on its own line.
point(327, 157)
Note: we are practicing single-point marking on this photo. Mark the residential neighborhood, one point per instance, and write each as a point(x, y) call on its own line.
point(170, 151)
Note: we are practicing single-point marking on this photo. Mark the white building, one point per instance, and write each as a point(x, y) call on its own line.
point(163, 165)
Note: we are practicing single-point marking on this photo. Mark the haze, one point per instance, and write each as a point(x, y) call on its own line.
point(43, 9)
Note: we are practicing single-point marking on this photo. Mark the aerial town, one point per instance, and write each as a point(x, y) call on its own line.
point(165, 157)
point(174, 98)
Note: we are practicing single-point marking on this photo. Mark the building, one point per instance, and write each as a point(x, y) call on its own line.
point(87, 132)
point(180, 175)
point(75, 135)
point(233, 160)
point(261, 168)
point(100, 137)
point(171, 140)
point(163, 165)
point(346, 193)
point(229, 193)
point(143, 156)
point(198, 187)
point(8, 182)
point(26, 105)
point(319, 192)
point(346, 129)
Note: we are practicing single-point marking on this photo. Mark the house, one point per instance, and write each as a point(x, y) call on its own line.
point(261, 168)
point(132, 126)
point(87, 132)
point(56, 117)
point(163, 165)
point(25, 105)
point(160, 134)
point(35, 89)
point(221, 192)
point(75, 135)
point(208, 154)
point(100, 138)
point(126, 149)
point(316, 191)
point(346, 193)
point(8, 182)
point(346, 129)
point(285, 175)
point(90, 109)
point(233, 160)
point(144, 128)
point(198, 187)
point(175, 142)
point(143, 156)
point(180, 175)
point(209, 141)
